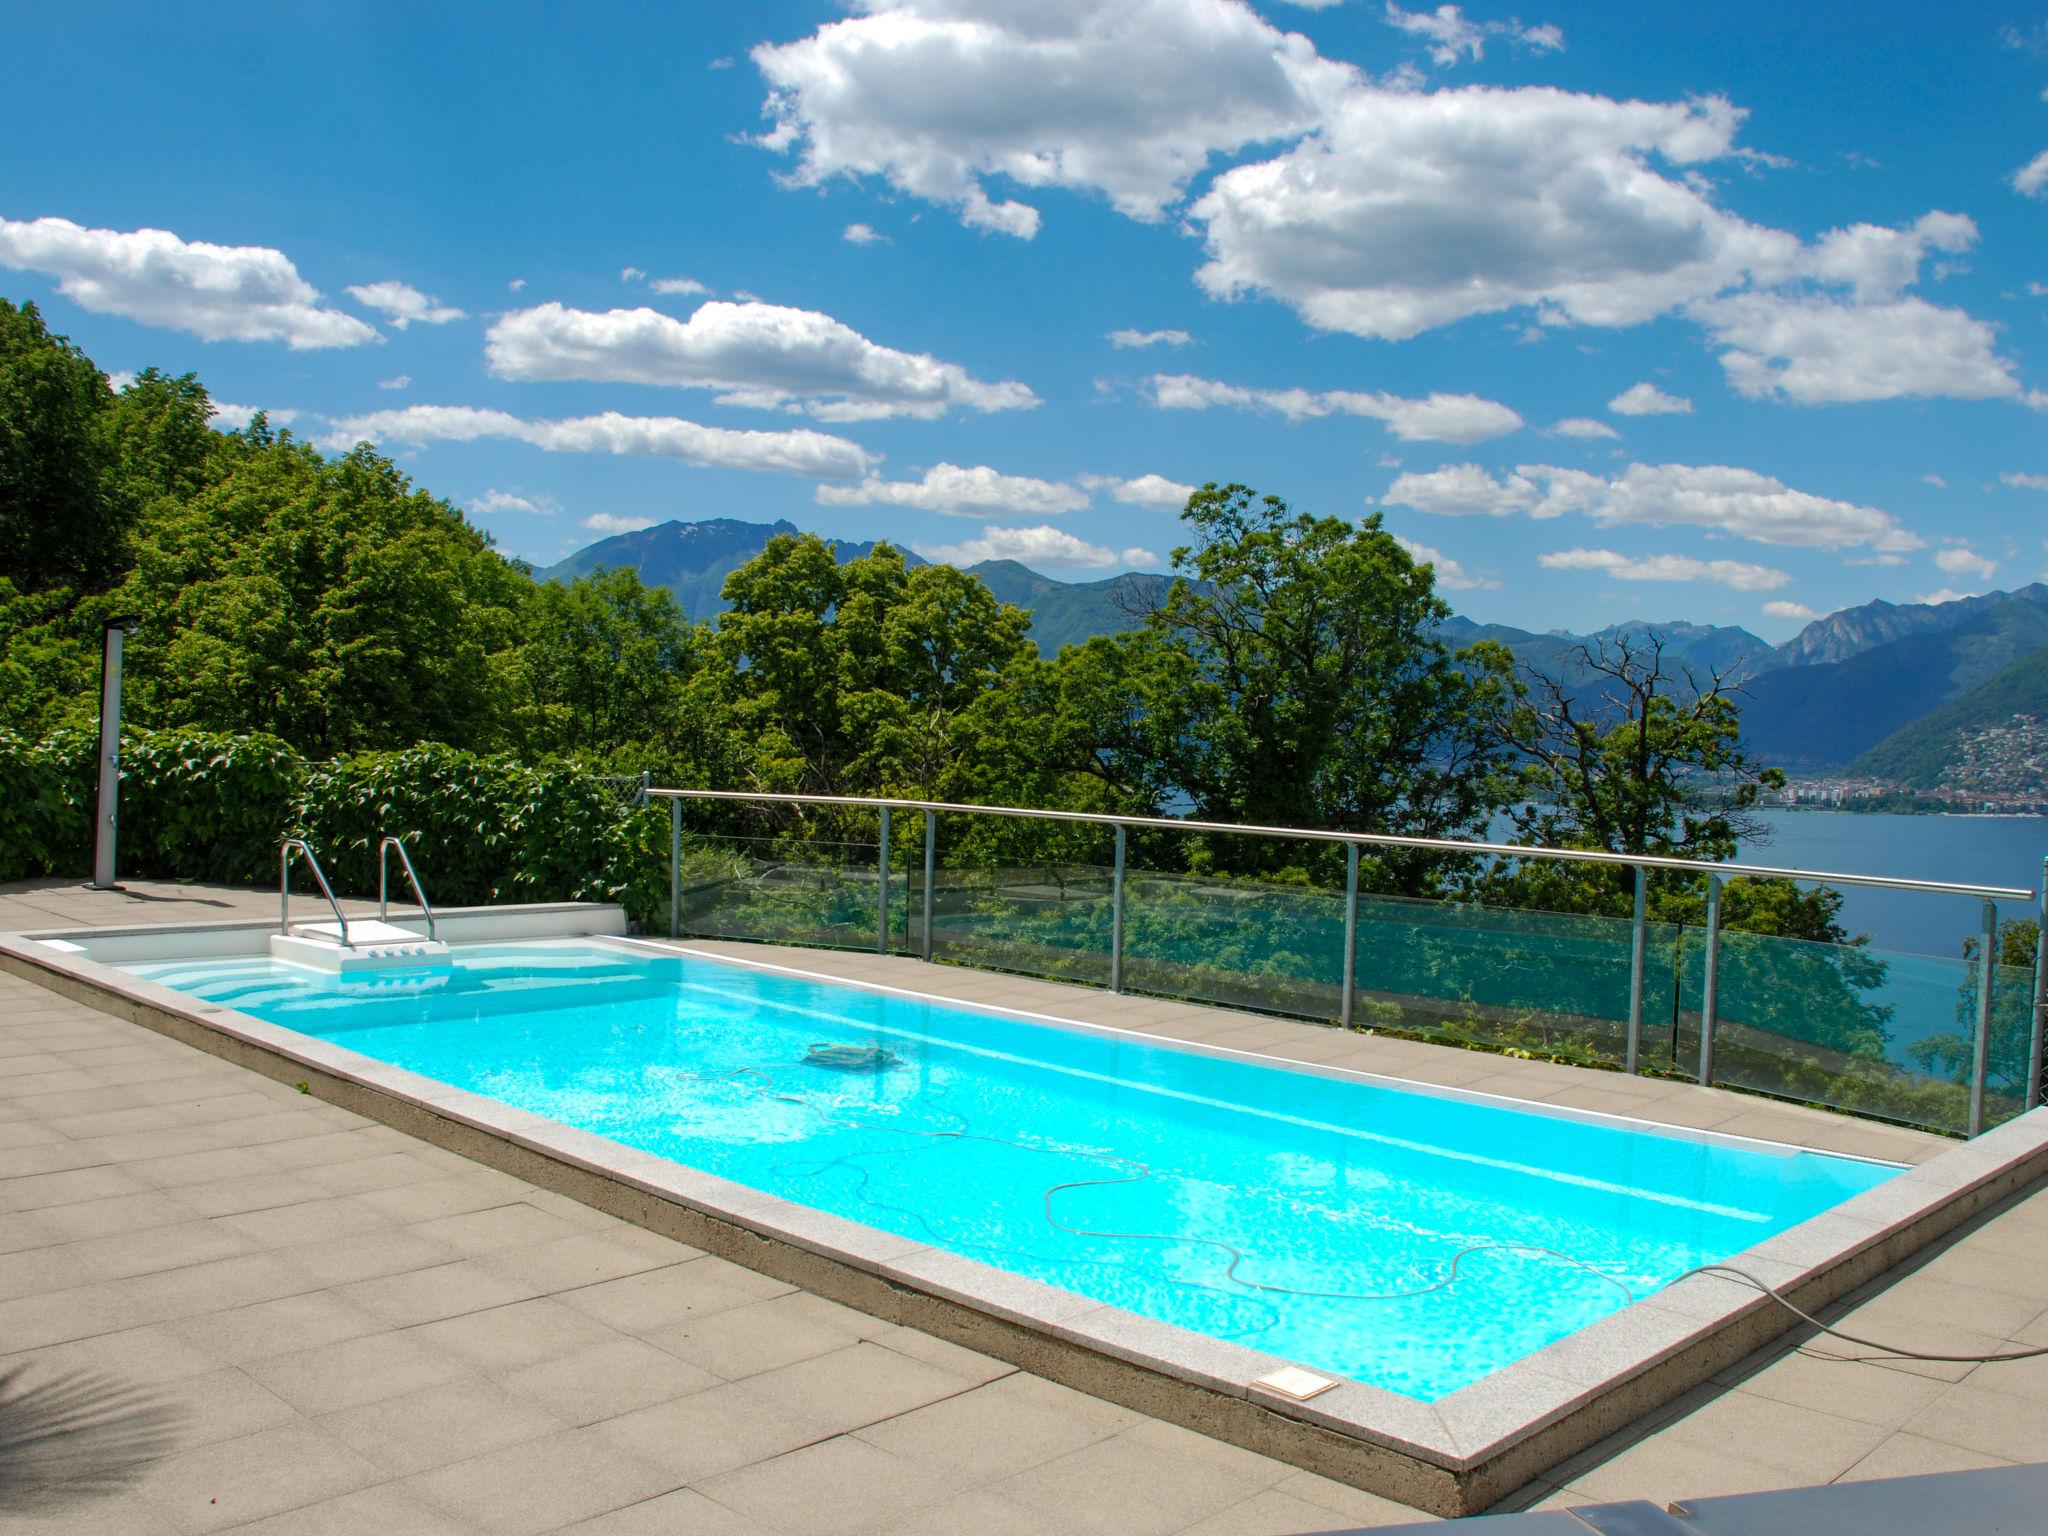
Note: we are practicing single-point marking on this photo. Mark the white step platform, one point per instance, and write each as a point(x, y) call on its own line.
point(372, 945)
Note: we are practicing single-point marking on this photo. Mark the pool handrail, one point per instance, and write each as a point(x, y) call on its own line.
point(1640, 864)
point(384, 886)
point(285, 851)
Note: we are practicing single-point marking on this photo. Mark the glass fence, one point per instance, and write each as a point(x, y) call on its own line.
point(1261, 923)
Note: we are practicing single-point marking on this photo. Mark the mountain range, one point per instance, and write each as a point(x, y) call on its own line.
point(1884, 690)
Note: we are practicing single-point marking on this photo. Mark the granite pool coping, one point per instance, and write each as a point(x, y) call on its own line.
point(1455, 1456)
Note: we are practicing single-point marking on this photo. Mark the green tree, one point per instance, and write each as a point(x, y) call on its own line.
point(61, 523)
point(1293, 675)
point(605, 661)
point(325, 602)
point(855, 678)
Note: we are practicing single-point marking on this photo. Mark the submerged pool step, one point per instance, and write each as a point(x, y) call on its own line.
point(368, 944)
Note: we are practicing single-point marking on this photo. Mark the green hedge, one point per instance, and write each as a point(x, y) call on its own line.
point(197, 805)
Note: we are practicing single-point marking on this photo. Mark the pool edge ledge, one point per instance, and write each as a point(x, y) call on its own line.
point(1457, 1456)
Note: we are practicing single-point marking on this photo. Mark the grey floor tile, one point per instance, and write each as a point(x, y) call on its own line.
point(605, 1381)
point(832, 1489)
point(438, 1425)
point(712, 1431)
point(331, 1377)
point(214, 1487)
point(541, 1485)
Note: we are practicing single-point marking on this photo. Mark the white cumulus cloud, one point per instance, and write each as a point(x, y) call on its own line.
point(1450, 575)
point(495, 501)
point(762, 355)
point(1435, 418)
point(398, 381)
point(1452, 36)
point(802, 452)
point(1583, 426)
point(683, 285)
point(1132, 338)
point(941, 98)
point(1155, 493)
point(1646, 399)
point(2031, 179)
point(402, 304)
point(1785, 608)
point(612, 523)
point(1041, 548)
point(225, 416)
point(214, 292)
point(1718, 497)
point(948, 488)
point(1961, 560)
point(862, 234)
point(1727, 573)
point(2024, 482)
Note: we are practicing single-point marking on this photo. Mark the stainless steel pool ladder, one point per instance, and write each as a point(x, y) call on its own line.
point(383, 882)
point(285, 850)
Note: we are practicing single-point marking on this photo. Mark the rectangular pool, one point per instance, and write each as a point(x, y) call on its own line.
point(1412, 1240)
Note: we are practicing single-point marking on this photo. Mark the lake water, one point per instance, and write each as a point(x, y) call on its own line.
point(1983, 850)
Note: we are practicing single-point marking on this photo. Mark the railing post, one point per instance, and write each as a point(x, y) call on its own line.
point(1116, 918)
point(1710, 991)
point(1987, 976)
point(882, 910)
point(1350, 932)
point(931, 838)
point(675, 869)
point(2040, 1023)
point(1638, 939)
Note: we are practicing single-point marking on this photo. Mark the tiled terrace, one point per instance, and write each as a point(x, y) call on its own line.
point(324, 1325)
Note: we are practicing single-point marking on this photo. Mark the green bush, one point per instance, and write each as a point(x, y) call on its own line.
point(203, 806)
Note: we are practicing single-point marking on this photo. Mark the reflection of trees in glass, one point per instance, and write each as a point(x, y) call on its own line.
point(2012, 1012)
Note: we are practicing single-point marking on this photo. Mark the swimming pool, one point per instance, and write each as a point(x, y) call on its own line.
point(1311, 1216)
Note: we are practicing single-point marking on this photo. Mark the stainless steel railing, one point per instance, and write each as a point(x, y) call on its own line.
point(1641, 865)
point(383, 880)
point(286, 849)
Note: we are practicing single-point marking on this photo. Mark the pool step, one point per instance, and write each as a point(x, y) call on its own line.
point(370, 945)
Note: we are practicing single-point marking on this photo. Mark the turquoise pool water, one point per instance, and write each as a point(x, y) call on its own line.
point(1052, 1152)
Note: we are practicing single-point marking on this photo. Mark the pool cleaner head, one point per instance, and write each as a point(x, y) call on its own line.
point(851, 1058)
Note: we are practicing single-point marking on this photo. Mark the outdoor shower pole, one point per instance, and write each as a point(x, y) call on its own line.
point(1116, 918)
point(2040, 997)
point(1710, 992)
point(1350, 931)
point(931, 838)
point(882, 911)
point(675, 869)
point(1987, 977)
point(106, 828)
point(1637, 940)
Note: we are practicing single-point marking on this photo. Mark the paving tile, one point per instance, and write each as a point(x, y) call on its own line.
point(331, 1377)
point(712, 1431)
point(1813, 1446)
point(998, 1430)
point(250, 1192)
point(661, 1298)
point(367, 1255)
point(540, 1485)
point(838, 1486)
point(861, 1384)
point(1122, 1487)
point(521, 1333)
point(198, 1167)
point(438, 1425)
point(212, 1487)
point(1354, 1504)
point(381, 1508)
point(71, 1187)
point(286, 1325)
point(60, 1156)
point(379, 1170)
point(761, 1336)
point(674, 1514)
point(983, 1513)
point(1989, 1422)
point(588, 1257)
point(36, 1271)
point(607, 1380)
point(428, 1295)
point(1663, 1470)
point(1906, 1455)
point(511, 1225)
point(1273, 1513)
point(157, 1248)
point(1849, 1389)
point(223, 1404)
point(450, 1195)
point(140, 1357)
point(115, 1214)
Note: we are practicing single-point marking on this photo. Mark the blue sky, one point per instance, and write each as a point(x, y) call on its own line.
point(1780, 272)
